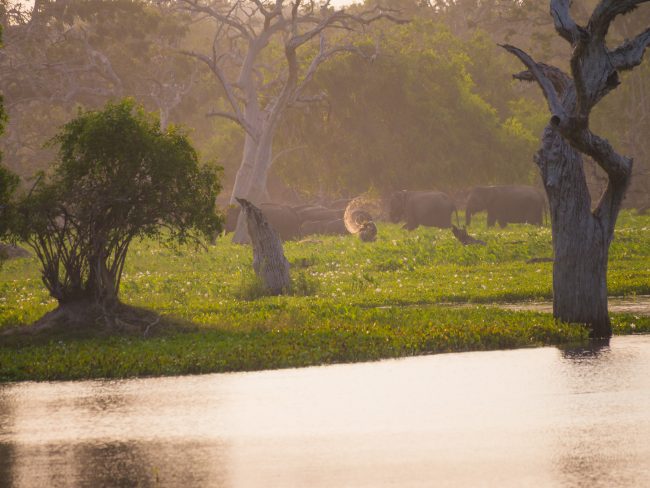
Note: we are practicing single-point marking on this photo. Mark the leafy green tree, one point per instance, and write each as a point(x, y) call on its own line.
point(413, 118)
point(117, 177)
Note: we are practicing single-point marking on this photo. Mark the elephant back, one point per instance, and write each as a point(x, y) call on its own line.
point(283, 219)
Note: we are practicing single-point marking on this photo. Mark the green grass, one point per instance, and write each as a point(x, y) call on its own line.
point(334, 313)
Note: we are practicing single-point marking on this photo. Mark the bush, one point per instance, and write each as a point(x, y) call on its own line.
point(117, 178)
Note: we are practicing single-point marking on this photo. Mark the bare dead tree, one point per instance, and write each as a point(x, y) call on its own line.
point(256, 93)
point(581, 237)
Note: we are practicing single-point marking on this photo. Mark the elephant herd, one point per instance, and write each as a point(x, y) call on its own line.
point(294, 222)
point(504, 204)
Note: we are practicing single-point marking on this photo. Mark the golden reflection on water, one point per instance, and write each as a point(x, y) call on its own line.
point(533, 417)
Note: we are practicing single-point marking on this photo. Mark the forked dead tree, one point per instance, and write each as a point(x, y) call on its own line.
point(258, 88)
point(582, 236)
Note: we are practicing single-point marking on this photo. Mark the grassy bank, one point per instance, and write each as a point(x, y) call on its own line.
point(335, 312)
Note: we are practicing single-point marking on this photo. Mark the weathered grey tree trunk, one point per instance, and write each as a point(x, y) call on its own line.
point(269, 262)
point(581, 237)
point(251, 184)
point(241, 32)
point(580, 241)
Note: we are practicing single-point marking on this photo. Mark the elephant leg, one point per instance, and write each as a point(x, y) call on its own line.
point(503, 223)
point(491, 219)
point(409, 225)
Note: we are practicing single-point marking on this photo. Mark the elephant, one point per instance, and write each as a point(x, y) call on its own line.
point(317, 212)
point(428, 208)
point(340, 204)
point(324, 227)
point(506, 204)
point(281, 217)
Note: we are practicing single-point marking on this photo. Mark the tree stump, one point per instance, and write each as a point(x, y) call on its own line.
point(269, 262)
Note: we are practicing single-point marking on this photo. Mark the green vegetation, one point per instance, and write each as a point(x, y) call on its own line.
point(117, 177)
point(350, 302)
point(435, 84)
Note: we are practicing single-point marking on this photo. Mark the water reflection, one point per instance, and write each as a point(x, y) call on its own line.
point(592, 349)
point(6, 462)
point(605, 443)
point(534, 417)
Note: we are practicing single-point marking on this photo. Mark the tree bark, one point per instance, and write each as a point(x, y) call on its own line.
point(240, 32)
point(580, 241)
point(581, 237)
point(269, 262)
point(252, 184)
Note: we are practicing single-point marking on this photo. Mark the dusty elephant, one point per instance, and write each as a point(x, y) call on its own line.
point(429, 208)
point(281, 217)
point(506, 204)
point(318, 212)
point(324, 227)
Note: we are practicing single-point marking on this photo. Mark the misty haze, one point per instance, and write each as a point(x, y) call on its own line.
point(251, 243)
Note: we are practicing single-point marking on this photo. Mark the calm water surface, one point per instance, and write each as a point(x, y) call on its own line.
point(534, 417)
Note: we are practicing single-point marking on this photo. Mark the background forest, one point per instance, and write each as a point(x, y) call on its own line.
point(425, 105)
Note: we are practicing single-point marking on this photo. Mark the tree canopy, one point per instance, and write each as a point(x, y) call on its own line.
point(117, 177)
point(431, 111)
point(388, 117)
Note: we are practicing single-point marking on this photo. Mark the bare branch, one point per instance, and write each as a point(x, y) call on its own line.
point(605, 13)
point(287, 151)
point(564, 23)
point(228, 88)
point(322, 56)
point(341, 19)
point(226, 115)
point(538, 75)
point(630, 54)
point(617, 167)
point(226, 18)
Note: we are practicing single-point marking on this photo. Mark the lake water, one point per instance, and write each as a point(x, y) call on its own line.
point(522, 418)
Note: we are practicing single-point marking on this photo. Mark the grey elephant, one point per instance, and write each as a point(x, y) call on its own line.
point(324, 227)
point(281, 217)
point(428, 208)
point(318, 212)
point(506, 204)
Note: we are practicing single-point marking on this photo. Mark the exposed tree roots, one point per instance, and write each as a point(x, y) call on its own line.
point(85, 318)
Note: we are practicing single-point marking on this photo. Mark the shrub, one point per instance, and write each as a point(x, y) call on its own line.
point(117, 177)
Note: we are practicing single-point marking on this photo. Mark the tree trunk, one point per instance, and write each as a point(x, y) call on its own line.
point(252, 184)
point(255, 119)
point(581, 237)
point(580, 241)
point(269, 262)
point(580, 283)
